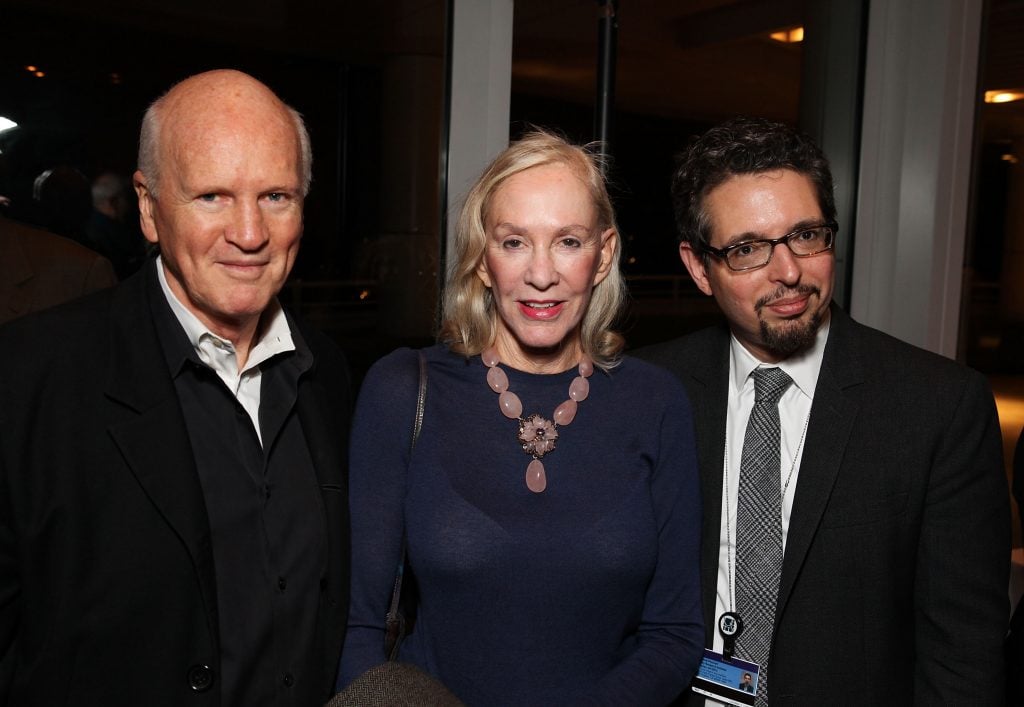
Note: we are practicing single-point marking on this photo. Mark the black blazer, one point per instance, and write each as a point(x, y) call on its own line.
point(1015, 640)
point(107, 592)
point(894, 582)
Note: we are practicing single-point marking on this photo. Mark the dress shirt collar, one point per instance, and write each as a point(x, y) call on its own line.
point(275, 335)
point(803, 367)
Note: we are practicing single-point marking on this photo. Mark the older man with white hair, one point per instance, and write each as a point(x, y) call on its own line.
point(173, 509)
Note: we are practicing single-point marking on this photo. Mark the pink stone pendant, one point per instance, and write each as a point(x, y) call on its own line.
point(536, 481)
point(565, 413)
point(510, 404)
point(497, 379)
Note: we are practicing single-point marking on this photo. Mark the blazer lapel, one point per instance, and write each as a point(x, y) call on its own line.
point(709, 371)
point(154, 441)
point(325, 427)
point(326, 435)
point(832, 416)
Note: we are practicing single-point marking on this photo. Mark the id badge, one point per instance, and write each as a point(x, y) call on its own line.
point(729, 680)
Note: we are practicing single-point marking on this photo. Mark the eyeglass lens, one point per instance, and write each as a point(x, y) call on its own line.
point(808, 241)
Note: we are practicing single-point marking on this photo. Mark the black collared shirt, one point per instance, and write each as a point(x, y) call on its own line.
point(266, 521)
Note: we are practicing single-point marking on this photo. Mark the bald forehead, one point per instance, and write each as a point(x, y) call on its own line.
point(221, 97)
point(227, 116)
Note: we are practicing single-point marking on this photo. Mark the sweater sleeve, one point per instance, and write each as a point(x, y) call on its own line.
point(670, 637)
point(378, 459)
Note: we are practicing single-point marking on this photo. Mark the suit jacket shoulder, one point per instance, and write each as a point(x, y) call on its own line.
point(876, 352)
point(39, 269)
point(695, 356)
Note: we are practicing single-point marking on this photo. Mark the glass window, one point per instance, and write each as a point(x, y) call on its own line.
point(681, 67)
point(368, 77)
point(992, 330)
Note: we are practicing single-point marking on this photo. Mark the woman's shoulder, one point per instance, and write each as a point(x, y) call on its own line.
point(400, 362)
point(401, 367)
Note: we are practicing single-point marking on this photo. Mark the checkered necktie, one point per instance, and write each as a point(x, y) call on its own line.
point(759, 524)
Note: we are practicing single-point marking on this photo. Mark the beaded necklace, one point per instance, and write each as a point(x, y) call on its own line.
point(537, 434)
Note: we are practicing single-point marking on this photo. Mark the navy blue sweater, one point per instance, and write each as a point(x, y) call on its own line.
point(587, 593)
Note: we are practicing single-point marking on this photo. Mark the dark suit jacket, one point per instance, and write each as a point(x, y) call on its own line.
point(39, 269)
point(107, 590)
point(1015, 641)
point(894, 580)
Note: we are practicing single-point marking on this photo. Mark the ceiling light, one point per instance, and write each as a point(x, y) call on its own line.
point(789, 36)
point(1004, 95)
point(6, 124)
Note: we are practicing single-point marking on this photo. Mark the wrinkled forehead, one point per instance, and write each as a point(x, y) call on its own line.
point(230, 135)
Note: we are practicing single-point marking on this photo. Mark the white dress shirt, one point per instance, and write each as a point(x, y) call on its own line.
point(219, 354)
point(794, 414)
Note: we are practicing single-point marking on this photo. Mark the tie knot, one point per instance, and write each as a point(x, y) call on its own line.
point(770, 384)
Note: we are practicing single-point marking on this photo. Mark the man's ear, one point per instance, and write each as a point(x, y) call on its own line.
point(694, 263)
point(146, 204)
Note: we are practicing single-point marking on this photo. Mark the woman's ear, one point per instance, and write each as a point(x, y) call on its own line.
point(609, 239)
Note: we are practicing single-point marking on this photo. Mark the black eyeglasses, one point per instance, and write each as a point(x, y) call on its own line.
point(803, 242)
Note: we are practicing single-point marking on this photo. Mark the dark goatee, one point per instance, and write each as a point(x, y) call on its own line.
point(794, 336)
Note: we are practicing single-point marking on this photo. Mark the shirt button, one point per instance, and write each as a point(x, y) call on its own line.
point(282, 583)
point(288, 680)
point(200, 678)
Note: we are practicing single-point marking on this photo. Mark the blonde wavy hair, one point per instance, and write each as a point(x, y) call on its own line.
point(469, 317)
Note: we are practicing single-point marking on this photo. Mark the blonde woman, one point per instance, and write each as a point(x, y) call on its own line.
point(551, 503)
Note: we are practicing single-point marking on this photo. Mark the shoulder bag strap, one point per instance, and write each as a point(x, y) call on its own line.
point(395, 625)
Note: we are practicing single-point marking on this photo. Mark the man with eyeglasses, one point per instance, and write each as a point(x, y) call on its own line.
point(856, 519)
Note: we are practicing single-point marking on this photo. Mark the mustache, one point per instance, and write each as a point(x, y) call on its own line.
point(783, 292)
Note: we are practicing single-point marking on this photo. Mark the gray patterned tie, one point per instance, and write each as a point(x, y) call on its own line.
point(759, 524)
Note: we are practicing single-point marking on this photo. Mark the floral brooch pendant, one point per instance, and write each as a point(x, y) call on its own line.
point(537, 435)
